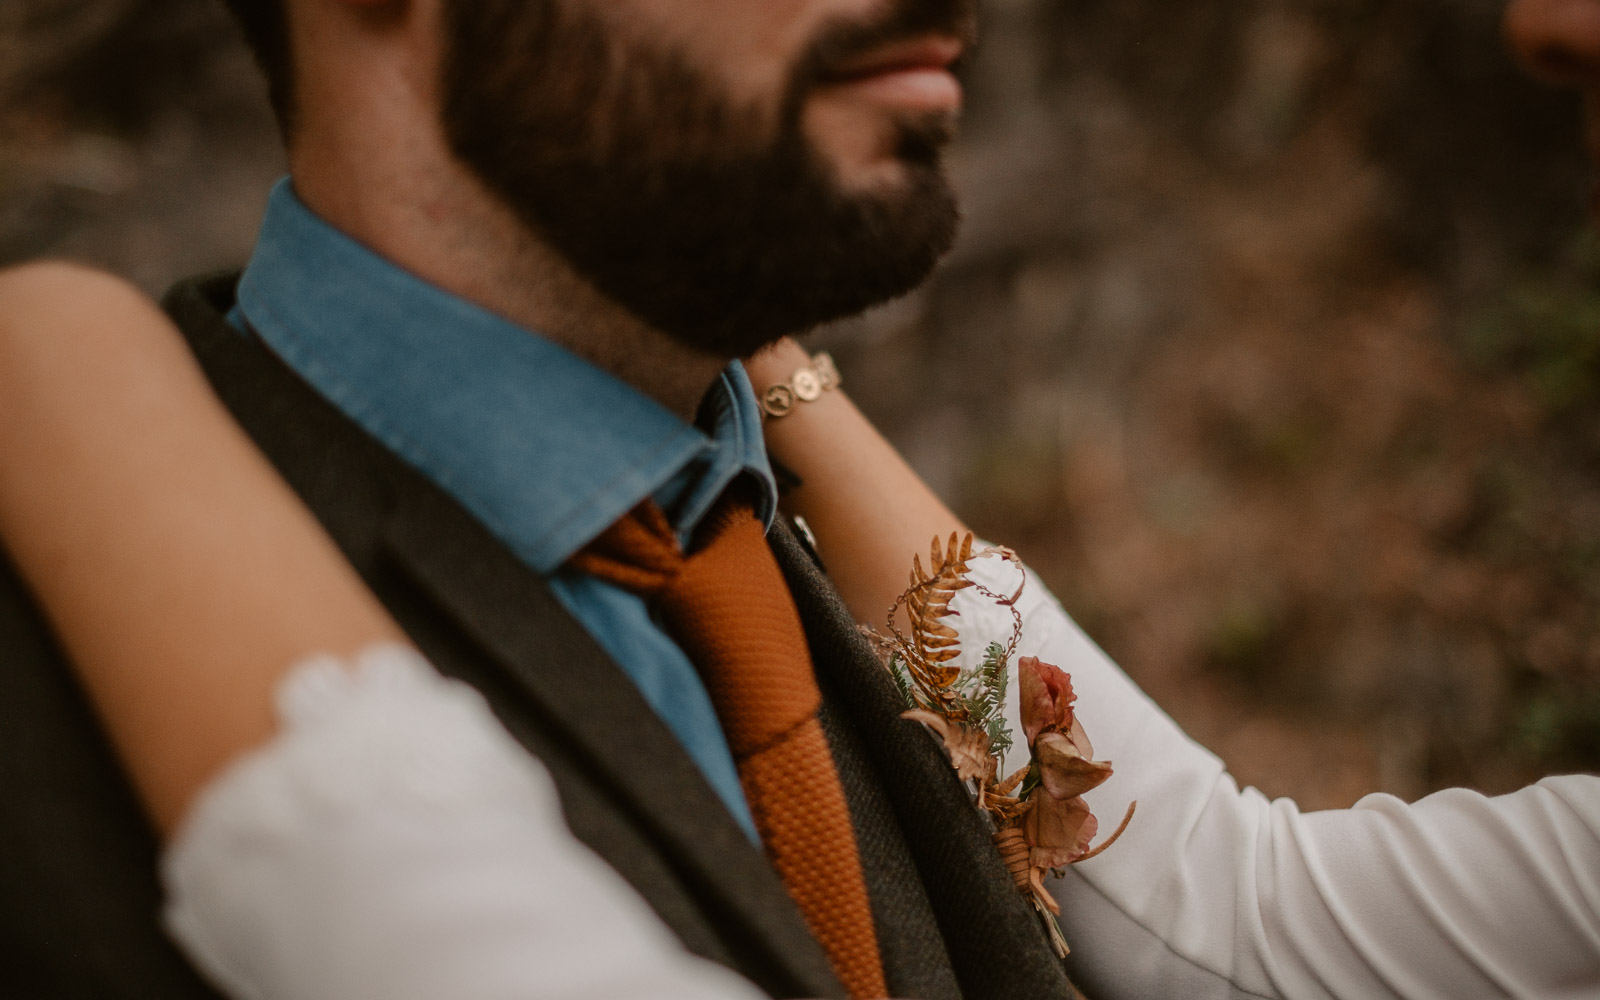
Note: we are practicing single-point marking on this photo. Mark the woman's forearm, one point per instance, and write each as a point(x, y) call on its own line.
point(1216, 891)
point(180, 573)
point(869, 510)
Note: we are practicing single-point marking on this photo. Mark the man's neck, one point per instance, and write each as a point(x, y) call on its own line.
point(450, 232)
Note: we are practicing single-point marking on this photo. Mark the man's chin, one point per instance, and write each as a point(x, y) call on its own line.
point(887, 180)
point(863, 145)
point(738, 323)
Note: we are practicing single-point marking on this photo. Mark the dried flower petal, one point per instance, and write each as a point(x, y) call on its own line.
point(1059, 831)
point(1046, 697)
point(1065, 772)
point(1080, 739)
point(968, 748)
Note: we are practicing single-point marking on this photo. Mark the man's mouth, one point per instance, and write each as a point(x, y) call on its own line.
point(916, 75)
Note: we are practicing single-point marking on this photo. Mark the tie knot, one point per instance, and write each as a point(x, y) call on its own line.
point(639, 553)
point(728, 608)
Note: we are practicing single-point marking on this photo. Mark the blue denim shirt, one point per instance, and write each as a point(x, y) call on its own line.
point(541, 446)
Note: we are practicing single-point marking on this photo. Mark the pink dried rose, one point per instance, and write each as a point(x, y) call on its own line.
point(1059, 826)
point(1046, 697)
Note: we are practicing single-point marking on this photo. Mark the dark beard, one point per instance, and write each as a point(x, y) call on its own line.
point(663, 195)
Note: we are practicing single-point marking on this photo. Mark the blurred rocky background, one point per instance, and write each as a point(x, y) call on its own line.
point(1273, 342)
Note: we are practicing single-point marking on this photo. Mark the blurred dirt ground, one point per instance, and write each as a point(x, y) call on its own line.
point(1273, 342)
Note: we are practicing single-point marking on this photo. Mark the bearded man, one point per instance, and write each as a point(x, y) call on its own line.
point(492, 315)
point(476, 336)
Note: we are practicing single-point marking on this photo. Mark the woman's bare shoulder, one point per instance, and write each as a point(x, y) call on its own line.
point(161, 544)
point(65, 326)
point(61, 306)
point(56, 314)
point(66, 283)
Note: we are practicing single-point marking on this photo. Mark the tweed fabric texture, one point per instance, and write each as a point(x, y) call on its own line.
point(729, 607)
point(915, 963)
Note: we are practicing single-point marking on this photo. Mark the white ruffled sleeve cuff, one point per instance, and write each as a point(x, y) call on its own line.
point(394, 842)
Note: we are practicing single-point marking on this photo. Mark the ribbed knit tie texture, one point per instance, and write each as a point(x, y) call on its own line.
point(727, 606)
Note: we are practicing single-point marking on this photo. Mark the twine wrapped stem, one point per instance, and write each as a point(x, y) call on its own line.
point(1017, 857)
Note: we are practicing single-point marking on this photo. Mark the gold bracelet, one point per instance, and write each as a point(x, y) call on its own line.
point(804, 386)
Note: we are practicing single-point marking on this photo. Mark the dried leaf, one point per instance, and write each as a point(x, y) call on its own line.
point(1006, 809)
point(1009, 785)
point(968, 748)
point(1058, 830)
point(924, 662)
point(1063, 770)
point(931, 676)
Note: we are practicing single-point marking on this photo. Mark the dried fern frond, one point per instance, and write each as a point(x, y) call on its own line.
point(934, 641)
point(923, 662)
point(928, 600)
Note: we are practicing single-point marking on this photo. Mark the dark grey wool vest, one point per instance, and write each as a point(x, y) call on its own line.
point(79, 900)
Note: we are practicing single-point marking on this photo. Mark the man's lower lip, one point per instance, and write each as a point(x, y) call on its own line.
point(920, 88)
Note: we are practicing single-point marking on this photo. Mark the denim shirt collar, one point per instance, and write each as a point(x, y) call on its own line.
point(544, 448)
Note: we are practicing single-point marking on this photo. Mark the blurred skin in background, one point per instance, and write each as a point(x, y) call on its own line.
point(1559, 41)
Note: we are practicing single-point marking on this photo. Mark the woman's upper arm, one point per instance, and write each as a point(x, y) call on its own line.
point(179, 571)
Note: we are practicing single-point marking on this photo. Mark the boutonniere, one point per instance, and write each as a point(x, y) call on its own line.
point(1040, 820)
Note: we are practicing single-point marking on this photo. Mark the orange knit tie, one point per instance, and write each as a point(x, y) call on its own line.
point(728, 607)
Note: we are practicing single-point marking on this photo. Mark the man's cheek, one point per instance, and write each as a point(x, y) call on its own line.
point(857, 142)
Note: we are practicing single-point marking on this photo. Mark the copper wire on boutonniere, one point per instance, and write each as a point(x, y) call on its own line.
point(1040, 820)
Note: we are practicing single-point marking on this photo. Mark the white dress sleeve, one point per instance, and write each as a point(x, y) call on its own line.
point(394, 842)
point(1215, 892)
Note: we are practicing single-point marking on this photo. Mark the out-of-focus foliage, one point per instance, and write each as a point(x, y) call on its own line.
point(1547, 327)
point(1271, 342)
